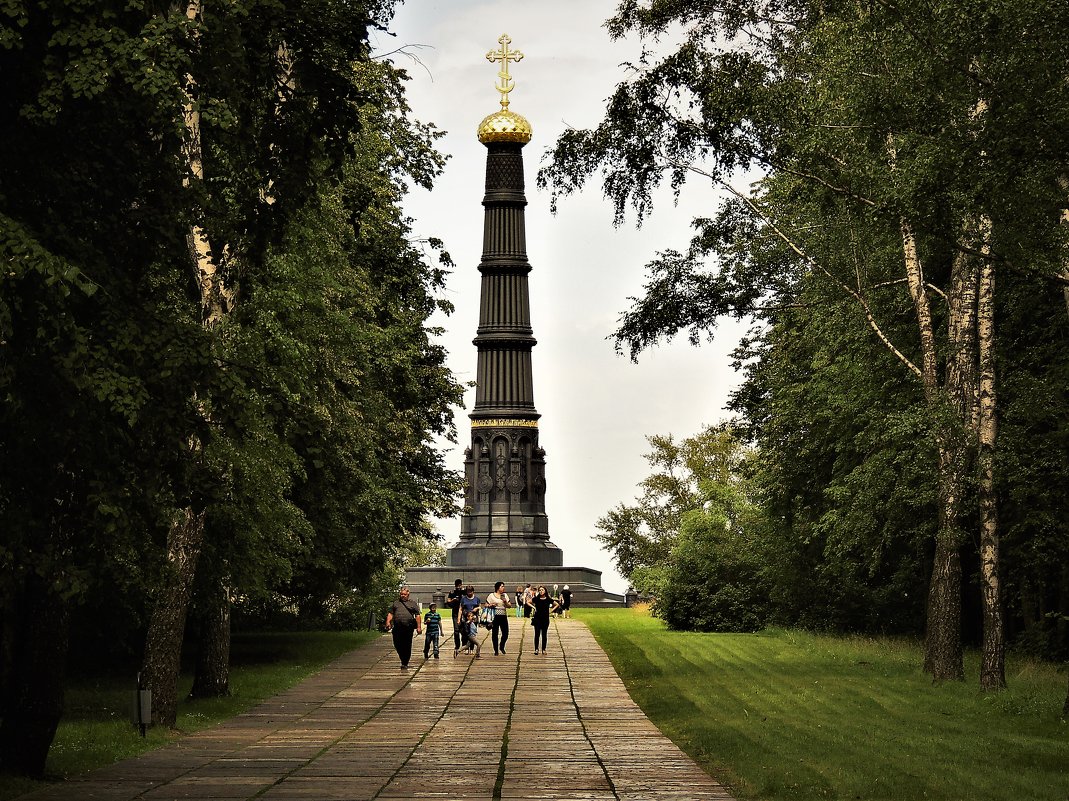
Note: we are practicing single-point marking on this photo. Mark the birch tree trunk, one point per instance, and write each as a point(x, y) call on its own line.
point(163, 646)
point(993, 659)
point(1064, 182)
point(943, 657)
point(961, 385)
point(1065, 270)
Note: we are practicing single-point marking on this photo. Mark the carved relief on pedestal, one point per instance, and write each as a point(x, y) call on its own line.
point(515, 481)
point(500, 464)
point(538, 484)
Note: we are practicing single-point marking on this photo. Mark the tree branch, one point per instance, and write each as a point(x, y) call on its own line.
point(813, 263)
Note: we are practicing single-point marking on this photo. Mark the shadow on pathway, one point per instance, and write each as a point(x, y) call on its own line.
point(515, 726)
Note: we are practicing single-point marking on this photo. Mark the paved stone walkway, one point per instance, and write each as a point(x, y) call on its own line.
point(516, 726)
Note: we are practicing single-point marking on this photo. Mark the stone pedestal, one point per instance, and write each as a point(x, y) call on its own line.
point(425, 583)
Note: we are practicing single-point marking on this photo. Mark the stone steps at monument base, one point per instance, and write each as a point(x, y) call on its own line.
point(428, 584)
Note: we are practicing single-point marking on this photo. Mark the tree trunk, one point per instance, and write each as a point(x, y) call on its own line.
point(163, 645)
point(962, 366)
point(33, 701)
point(943, 657)
point(1064, 276)
point(212, 677)
point(993, 657)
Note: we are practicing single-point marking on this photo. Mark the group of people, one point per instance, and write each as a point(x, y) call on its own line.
point(405, 619)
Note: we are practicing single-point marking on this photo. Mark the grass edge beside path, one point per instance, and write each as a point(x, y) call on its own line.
point(96, 728)
point(784, 715)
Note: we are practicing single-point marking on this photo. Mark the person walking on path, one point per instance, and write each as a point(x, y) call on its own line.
point(453, 602)
point(469, 629)
point(519, 599)
point(432, 621)
point(542, 605)
point(469, 602)
point(499, 601)
point(528, 594)
point(565, 601)
point(403, 620)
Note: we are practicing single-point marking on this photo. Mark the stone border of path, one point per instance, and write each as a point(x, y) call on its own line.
point(515, 726)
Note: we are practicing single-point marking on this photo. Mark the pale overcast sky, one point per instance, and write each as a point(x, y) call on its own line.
point(596, 406)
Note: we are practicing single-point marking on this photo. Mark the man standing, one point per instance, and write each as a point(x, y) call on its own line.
point(453, 602)
point(403, 620)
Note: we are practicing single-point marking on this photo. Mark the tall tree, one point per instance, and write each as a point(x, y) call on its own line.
point(160, 156)
point(897, 121)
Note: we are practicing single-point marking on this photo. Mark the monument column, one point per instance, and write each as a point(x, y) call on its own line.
point(504, 531)
point(504, 522)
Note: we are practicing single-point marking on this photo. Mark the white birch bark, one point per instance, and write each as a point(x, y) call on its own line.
point(217, 298)
point(1064, 277)
point(993, 664)
point(943, 657)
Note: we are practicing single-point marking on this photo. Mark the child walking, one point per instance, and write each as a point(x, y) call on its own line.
point(469, 633)
point(432, 621)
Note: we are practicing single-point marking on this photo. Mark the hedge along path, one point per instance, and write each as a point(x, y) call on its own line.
point(509, 727)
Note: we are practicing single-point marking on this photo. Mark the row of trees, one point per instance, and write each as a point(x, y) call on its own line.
point(218, 381)
point(903, 254)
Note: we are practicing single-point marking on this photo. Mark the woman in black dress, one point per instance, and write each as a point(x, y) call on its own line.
point(543, 606)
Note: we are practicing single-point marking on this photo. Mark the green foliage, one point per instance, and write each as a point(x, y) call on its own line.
point(323, 387)
point(641, 536)
point(854, 117)
point(302, 422)
point(786, 714)
point(695, 537)
point(714, 581)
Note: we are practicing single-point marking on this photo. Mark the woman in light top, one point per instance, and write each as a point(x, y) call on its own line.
point(499, 601)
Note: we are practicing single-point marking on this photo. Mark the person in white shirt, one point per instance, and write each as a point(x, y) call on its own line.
point(528, 593)
point(499, 601)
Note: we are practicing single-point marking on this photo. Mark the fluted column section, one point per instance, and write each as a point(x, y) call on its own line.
point(504, 385)
point(504, 521)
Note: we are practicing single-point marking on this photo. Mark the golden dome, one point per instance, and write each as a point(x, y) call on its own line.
point(505, 126)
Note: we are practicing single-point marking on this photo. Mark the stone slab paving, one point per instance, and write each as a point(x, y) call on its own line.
point(514, 727)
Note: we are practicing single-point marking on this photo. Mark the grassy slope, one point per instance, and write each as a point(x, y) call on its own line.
point(791, 715)
point(97, 731)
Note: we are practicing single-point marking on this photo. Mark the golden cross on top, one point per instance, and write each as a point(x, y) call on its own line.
point(504, 55)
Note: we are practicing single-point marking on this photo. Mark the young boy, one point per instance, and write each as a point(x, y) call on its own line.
point(469, 633)
point(432, 621)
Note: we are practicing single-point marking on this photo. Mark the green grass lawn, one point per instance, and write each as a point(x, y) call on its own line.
point(792, 715)
point(97, 730)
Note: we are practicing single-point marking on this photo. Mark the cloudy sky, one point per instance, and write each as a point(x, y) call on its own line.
point(596, 406)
